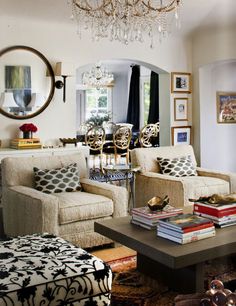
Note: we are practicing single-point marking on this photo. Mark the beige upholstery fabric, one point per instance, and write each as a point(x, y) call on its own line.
point(21, 167)
point(77, 206)
point(147, 157)
point(115, 193)
point(70, 215)
point(83, 232)
point(150, 182)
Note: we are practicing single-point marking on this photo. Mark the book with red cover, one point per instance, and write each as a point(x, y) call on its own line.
point(217, 211)
point(185, 221)
point(184, 235)
point(191, 229)
point(184, 240)
point(224, 221)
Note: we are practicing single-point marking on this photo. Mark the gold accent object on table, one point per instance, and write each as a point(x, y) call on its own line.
point(66, 141)
point(217, 199)
point(157, 203)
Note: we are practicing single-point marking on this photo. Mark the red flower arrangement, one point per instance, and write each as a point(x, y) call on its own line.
point(28, 127)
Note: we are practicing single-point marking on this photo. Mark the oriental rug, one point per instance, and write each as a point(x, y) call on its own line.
point(131, 288)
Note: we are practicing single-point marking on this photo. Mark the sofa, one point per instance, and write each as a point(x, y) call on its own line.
point(70, 215)
point(151, 182)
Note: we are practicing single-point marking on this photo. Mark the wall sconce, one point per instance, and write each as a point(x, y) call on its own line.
point(64, 70)
point(7, 100)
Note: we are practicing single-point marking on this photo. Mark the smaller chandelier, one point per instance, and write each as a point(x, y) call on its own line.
point(125, 20)
point(98, 77)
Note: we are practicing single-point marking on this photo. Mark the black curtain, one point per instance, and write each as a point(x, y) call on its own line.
point(134, 98)
point(153, 115)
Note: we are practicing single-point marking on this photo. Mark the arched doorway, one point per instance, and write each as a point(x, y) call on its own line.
point(118, 94)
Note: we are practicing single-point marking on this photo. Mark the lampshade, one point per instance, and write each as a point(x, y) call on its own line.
point(37, 100)
point(7, 100)
point(64, 69)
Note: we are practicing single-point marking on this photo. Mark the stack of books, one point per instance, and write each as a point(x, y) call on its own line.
point(185, 228)
point(22, 143)
point(221, 215)
point(148, 219)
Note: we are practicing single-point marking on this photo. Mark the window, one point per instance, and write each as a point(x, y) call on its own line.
point(144, 99)
point(97, 101)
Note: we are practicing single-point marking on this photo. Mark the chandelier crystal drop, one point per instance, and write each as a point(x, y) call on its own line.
point(97, 77)
point(126, 20)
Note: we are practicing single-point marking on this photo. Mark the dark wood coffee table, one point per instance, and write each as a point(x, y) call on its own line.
point(181, 267)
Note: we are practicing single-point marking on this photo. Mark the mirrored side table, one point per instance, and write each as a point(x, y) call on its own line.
point(123, 172)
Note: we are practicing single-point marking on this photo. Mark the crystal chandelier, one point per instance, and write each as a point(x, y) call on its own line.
point(125, 20)
point(97, 77)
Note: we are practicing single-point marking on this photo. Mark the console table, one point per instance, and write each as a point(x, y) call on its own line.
point(7, 152)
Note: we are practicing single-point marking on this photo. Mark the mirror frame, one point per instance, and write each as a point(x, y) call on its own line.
point(50, 74)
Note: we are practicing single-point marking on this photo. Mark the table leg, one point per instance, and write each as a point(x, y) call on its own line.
point(132, 200)
point(186, 280)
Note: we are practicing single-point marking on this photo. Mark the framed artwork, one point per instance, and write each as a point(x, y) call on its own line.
point(180, 82)
point(18, 81)
point(226, 107)
point(181, 135)
point(180, 109)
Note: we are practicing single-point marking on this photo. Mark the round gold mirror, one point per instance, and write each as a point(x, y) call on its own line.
point(27, 82)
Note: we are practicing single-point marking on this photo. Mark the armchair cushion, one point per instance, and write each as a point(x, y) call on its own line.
point(65, 179)
point(78, 206)
point(199, 186)
point(179, 167)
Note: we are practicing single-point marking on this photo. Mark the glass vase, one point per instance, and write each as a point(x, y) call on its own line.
point(27, 135)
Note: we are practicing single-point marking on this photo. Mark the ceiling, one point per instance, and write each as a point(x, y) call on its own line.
point(195, 14)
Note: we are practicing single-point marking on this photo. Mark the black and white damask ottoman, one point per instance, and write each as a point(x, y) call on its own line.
point(46, 270)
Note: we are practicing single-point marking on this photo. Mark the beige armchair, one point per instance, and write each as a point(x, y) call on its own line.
point(70, 215)
point(150, 182)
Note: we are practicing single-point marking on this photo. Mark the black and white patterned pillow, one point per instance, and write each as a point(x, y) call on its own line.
point(65, 179)
point(179, 167)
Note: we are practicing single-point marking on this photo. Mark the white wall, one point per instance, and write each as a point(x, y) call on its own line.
point(218, 141)
point(212, 46)
point(165, 110)
point(59, 42)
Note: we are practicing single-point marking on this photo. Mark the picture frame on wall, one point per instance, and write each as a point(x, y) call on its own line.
point(181, 135)
point(180, 109)
point(181, 82)
point(226, 107)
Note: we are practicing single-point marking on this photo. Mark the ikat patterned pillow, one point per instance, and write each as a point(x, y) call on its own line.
point(178, 167)
point(65, 179)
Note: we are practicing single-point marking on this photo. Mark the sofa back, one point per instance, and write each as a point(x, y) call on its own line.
point(147, 157)
point(18, 171)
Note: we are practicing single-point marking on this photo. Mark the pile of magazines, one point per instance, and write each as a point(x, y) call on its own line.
point(185, 228)
point(148, 219)
point(221, 214)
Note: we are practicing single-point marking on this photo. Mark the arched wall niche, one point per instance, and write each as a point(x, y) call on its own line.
point(217, 140)
point(121, 68)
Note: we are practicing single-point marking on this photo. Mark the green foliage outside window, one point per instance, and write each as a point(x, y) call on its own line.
point(97, 106)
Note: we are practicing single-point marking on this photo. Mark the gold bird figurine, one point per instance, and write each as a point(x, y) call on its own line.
point(157, 203)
